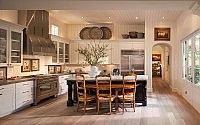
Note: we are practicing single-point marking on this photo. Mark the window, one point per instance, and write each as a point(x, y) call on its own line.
point(197, 59)
point(191, 58)
point(54, 30)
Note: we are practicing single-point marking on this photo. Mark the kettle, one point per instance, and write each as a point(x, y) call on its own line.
point(116, 72)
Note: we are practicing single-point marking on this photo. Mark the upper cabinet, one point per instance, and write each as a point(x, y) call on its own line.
point(62, 50)
point(16, 49)
point(66, 53)
point(11, 44)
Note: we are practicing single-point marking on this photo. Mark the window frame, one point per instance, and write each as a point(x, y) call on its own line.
point(53, 31)
point(185, 56)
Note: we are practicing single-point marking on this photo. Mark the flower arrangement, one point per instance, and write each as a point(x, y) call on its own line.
point(94, 53)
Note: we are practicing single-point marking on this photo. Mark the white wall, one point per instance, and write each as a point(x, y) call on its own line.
point(150, 23)
point(186, 24)
point(61, 25)
point(9, 15)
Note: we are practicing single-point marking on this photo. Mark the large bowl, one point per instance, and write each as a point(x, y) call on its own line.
point(140, 35)
point(125, 36)
point(133, 34)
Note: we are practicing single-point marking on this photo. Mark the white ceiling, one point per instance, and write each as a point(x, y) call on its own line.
point(98, 11)
point(116, 16)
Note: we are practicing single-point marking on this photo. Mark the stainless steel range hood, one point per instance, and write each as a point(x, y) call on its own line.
point(36, 39)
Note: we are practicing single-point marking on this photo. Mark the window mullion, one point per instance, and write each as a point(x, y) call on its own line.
point(193, 58)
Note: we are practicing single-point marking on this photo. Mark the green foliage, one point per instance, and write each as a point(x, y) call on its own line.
point(94, 53)
point(197, 74)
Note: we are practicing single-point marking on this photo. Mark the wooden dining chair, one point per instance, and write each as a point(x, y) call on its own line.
point(82, 95)
point(129, 91)
point(103, 91)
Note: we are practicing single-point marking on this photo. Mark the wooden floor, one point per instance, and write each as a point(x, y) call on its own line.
point(164, 108)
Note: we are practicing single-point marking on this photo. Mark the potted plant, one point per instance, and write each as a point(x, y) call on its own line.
point(94, 54)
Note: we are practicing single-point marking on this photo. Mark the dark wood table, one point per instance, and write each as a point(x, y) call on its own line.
point(141, 91)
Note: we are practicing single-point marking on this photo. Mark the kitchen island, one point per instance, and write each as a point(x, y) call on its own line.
point(141, 91)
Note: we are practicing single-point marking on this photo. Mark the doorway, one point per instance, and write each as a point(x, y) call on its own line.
point(161, 58)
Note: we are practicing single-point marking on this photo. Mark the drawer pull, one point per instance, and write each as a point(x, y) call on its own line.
point(25, 84)
point(26, 101)
point(25, 92)
point(1, 88)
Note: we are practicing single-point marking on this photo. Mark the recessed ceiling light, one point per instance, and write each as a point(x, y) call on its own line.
point(163, 17)
point(136, 17)
point(82, 17)
point(108, 17)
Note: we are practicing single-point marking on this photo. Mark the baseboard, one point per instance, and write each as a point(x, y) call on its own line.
point(149, 89)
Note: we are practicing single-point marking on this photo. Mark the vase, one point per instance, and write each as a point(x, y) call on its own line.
point(94, 71)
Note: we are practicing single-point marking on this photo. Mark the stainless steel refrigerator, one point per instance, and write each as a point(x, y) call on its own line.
point(132, 60)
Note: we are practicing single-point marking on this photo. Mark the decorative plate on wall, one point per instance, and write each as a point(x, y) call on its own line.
point(85, 33)
point(107, 33)
point(96, 33)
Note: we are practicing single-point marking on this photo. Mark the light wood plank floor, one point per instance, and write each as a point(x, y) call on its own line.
point(164, 108)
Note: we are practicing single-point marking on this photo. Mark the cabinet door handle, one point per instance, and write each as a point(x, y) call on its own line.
point(25, 92)
point(1, 88)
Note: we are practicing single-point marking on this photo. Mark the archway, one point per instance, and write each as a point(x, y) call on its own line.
point(162, 62)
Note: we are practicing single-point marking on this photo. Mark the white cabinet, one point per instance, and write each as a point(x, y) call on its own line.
point(73, 53)
point(62, 50)
point(63, 87)
point(129, 45)
point(7, 99)
point(11, 43)
point(125, 45)
point(24, 94)
point(138, 45)
point(115, 53)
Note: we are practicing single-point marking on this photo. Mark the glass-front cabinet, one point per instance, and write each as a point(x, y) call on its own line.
point(16, 47)
point(66, 53)
point(62, 50)
point(3, 45)
point(10, 43)
point(54, 57)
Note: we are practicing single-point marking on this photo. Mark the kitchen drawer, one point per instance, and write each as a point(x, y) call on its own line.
point(7, 99)
point(24, 86)
point(24, 102)
point(7, 89)
point(23, 94)
point(63, 78)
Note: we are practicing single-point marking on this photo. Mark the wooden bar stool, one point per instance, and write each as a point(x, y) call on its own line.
point(104, 92)
point(129, 90)
point(82, 95)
